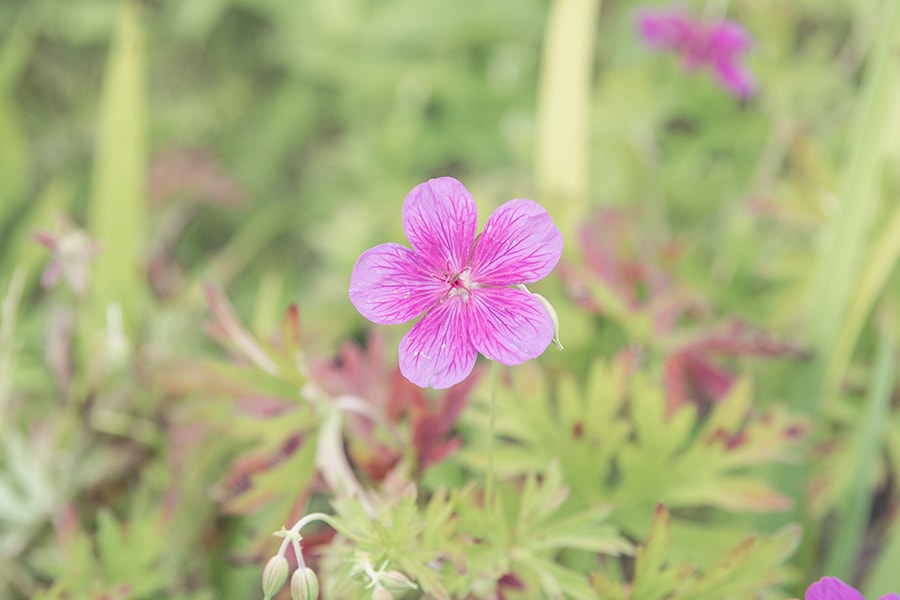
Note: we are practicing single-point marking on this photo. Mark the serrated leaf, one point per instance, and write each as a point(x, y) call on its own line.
point(753, 565)
point(404, 536)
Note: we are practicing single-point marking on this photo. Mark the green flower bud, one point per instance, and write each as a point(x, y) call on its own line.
point(396, 581)
point(381, 593)
point(274, 576)
point(304, 584)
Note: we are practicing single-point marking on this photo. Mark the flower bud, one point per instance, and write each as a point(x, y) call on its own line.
point(381, 593)
point(274, 575)
point(304, 584)
point(396, 581)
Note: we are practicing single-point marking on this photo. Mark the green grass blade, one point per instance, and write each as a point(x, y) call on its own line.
point(859, 197)
point(883, 577)
point(117, 210)
point(564, 92)
point(840, 260)
point(14, 152)
point(880, 263)
point(867, 445)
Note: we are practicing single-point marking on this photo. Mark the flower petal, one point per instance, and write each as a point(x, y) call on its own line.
point(832, 588)
point(439, 218)
point(392, 284)
point(666, 30)
point(508, 325)
point(519, 244)
point(735, 78)
point(728, 39)
point(437, 352)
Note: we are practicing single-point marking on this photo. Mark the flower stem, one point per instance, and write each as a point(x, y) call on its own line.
point(489, 475)
point(292, 536)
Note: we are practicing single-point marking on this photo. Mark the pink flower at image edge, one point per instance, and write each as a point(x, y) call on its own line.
point(832, 588)
point(718, 45)
point(463, 284)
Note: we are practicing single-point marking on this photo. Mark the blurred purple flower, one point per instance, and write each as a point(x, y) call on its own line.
point(832, 588)
point(718, 45)
point(465, 285)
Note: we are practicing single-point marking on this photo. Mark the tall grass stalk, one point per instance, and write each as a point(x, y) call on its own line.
point(880, 262)
point(564, 93)
point(492, 410)
point(866, 448)
point(848, 232)
point(117, 207)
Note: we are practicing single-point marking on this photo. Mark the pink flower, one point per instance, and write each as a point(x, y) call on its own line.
point(466, 286)
point(718, 45)
point(832, 588)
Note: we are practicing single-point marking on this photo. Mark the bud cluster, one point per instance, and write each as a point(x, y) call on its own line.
point(304, 583)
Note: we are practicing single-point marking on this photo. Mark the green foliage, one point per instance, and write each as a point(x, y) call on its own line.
point(127, 560)
point(400, 535)
point(160, 161)
point(453, 546)
point(617, 446)
point(750, 570)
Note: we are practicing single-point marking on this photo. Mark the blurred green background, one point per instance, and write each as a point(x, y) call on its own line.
point(262, 145)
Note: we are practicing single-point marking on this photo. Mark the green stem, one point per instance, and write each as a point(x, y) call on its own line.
point(489, 475)
point(867, 445)
point(292, 536)
point(562, 166)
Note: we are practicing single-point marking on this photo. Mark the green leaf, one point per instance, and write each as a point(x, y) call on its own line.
point(117, 208)
point(752, 567)
point(407, 538)
point(868, 441)
point(544, 526)
point(882, 579)
point(564, 93)
point(652, 578)
point(881, 261)
point(616, 447)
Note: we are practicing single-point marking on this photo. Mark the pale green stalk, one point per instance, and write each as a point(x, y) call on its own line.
point(564, 95)
point(293, 538)
point(492, 409)
point(845, 548)
point(880, 263)
point(116, 215)
point(882, 579)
